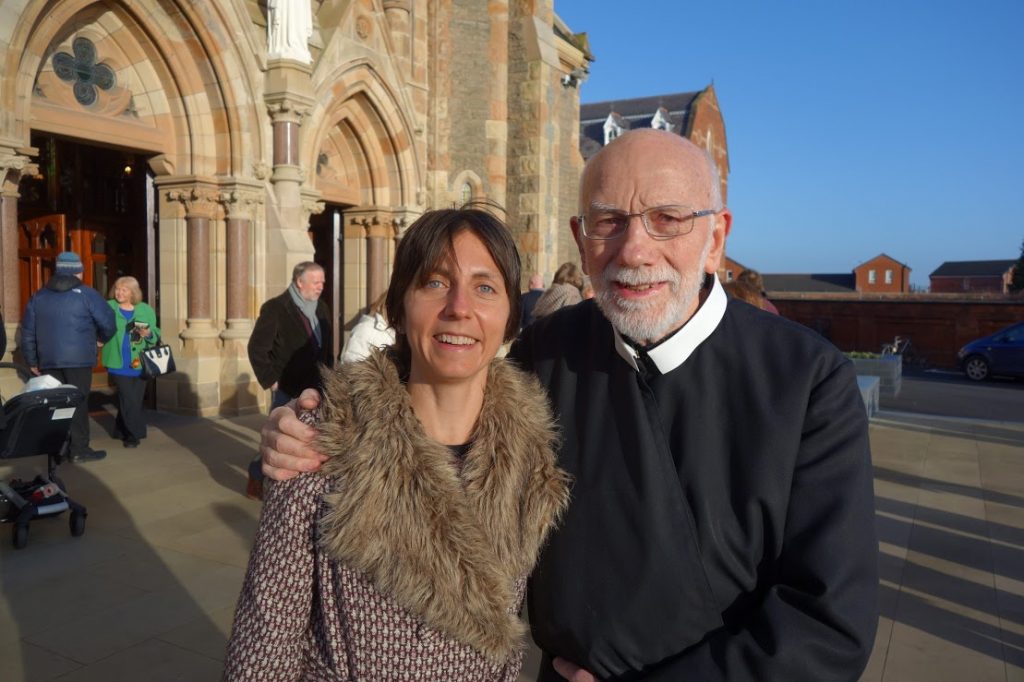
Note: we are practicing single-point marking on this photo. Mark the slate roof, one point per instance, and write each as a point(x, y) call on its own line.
point(973, 268)
point(883, 255)
point(813, 283)
point(632, 113)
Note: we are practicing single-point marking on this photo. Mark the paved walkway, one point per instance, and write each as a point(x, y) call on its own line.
point(148, 592)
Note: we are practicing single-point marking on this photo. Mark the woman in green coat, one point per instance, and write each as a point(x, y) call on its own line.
point(122, 356)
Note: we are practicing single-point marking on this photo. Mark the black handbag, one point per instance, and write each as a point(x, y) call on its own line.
point(157, 361)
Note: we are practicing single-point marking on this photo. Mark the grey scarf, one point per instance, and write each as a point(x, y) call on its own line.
point(308, 309)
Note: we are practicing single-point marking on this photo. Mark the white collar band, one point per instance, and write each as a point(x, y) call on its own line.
point(673, 351)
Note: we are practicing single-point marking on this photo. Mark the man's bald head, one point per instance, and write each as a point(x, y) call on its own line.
point(658, 147)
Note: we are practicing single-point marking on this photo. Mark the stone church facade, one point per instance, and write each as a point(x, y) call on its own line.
point(162, 139)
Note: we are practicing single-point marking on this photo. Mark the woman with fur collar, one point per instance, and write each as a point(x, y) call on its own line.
point(406, 556)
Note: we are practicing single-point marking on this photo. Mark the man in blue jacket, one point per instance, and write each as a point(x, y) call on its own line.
point(63, 323)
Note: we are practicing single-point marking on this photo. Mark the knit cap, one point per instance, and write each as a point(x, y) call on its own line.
point(68, 263)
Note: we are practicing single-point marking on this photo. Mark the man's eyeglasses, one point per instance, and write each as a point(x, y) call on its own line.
point(661, 222)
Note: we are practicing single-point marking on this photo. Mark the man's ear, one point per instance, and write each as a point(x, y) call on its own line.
point(574, 224)
point(720, 232)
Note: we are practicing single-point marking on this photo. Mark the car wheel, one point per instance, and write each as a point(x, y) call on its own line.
point(976, 368)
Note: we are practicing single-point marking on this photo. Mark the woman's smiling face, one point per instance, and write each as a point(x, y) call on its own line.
point(455, 320)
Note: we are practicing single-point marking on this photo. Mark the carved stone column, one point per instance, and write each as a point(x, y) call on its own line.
point(195, 388)
point(240, 393)
point(289, 98)
point(376, 229)
point(12, 165)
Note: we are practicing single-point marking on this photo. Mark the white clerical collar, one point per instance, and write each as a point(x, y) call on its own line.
point(673, 351)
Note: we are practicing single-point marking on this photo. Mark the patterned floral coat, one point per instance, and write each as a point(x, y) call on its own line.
point(396, 562)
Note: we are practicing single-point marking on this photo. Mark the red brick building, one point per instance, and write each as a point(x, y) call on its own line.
point(882, 274)
point(974, 276)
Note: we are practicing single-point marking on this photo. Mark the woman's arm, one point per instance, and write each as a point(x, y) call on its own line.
point(272, 621)
point(149, 316)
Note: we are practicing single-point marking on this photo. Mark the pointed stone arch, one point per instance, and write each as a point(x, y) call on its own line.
point(181, 90)
point(364, 130)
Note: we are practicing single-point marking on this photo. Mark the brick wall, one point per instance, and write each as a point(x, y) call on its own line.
point(953, 285)
point(937, 327)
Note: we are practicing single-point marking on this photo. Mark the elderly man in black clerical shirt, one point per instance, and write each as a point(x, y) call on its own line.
point(722, 516)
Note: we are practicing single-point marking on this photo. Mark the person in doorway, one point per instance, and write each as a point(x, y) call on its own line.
point(122, 356)
point(406, 556)
point(63, 324)
point(371, 331)
point(722, 525)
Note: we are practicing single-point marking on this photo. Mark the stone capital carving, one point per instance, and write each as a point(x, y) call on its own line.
point(12, 168)
point(15, 162)
point(379, 221)
point(240, 203)
point(260, 170)
point(311, 207)
point(197, 202)
point(287, 110)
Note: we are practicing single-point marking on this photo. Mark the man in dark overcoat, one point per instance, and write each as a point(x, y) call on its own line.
point(292, 336)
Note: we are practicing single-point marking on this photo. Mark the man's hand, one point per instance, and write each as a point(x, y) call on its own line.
point(35, 370)
point(572, 672)
point(286, 443)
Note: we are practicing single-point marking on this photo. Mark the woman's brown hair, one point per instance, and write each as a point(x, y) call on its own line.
point(429, 242)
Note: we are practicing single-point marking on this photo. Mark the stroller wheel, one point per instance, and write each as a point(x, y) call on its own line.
point(77, 523)
point(20, 536)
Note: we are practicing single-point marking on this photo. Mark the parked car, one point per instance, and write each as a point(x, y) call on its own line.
point(1001, 353)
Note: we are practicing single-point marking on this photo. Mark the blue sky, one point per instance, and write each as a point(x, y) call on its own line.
point(854, 128)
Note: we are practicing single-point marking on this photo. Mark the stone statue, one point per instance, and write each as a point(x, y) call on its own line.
point(289, 26)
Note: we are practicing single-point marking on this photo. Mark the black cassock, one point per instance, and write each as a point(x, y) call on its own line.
point(722, 515)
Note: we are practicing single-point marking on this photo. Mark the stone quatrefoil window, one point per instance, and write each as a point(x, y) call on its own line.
point(82, 71)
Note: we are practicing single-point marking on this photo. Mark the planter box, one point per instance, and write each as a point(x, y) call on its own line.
point(889, 370)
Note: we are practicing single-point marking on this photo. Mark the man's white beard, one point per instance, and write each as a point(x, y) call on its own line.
point(647, 322)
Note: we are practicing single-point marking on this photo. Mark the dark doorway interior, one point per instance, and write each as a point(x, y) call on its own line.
point(326, 232)
point(103, 198)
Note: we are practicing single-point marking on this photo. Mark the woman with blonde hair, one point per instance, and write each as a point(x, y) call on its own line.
point(122, 356)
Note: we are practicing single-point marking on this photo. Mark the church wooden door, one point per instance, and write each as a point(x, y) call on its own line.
point(39, 241)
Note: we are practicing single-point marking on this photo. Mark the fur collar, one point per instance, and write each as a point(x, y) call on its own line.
point(448, 547)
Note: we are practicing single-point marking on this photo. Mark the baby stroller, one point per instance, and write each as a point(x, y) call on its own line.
point(33, 424)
